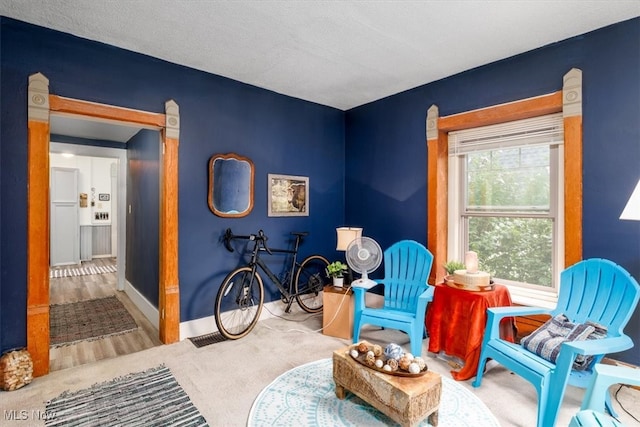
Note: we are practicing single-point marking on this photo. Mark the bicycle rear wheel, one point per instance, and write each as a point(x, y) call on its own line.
point(309, 282)
point(239, 303)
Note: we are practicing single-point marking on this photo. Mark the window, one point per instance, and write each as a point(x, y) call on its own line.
point(506, 203)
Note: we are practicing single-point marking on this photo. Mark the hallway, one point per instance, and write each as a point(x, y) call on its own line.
point(80, 288)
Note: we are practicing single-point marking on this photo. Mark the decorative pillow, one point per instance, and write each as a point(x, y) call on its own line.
point(548, 338)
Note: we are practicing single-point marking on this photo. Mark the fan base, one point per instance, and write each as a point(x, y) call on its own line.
point(364, 283)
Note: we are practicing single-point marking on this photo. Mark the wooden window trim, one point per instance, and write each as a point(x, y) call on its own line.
point(437, 161)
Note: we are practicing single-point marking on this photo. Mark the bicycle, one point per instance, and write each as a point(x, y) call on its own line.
point(240, 298)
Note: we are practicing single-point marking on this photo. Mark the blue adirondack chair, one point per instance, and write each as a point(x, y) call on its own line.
point(596, 290)
point(592, 410)
point(407, 265)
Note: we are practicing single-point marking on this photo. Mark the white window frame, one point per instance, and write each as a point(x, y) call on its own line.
point(491, 137)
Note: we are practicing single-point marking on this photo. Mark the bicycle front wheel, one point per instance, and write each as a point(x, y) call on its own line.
point(239, 303)
point(309, 282)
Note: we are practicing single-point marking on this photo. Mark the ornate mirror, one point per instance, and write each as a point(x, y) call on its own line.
point(230, 185)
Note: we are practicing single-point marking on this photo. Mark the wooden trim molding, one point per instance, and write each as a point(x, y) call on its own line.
point(93, 110)
point(169, 295)
point(40, 106)
point(437, 209)
point(568, 101)
point(572, 114)
point(517, 110)
point(38, 223)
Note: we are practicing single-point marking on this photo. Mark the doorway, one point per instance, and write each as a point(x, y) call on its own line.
point(116, 181)
point(93, 314)
point(41, 105)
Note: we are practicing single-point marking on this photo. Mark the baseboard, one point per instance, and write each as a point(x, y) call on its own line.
point(148, 310)
point(207, 325)
point(197, 327)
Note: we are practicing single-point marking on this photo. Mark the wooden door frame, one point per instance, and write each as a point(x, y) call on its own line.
point(41, 105)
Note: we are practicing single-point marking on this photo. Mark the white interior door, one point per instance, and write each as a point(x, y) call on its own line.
point(65, 225)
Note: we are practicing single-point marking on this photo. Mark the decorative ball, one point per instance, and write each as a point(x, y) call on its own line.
point(414, 368)
point(379, 363)
point(363, 348)
point(354, 353)
point(409, 355)
point(404, 363)
point(371, 354)
point(393, 363)
point(387, 368)
point(421, 363)
point(393, 351)
point(370, 359)
point(377, 350)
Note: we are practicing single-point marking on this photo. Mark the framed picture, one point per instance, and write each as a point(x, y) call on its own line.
point(104, 197)
point(288, 195)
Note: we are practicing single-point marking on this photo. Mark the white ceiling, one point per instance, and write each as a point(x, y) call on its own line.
point(91, 129)
point(337, 53)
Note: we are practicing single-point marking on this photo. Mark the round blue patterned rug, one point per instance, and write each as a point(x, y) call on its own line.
point(305, 396)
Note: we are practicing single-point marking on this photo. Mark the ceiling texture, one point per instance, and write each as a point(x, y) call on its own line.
point(336, 53)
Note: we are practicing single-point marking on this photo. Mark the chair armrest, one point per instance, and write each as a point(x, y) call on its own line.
point(605, 376)
point(358, 297)
point(518, 311)
point(599, 346)
point(496, 314)
point(427, 294)
point(423, 299)
point(621, 374)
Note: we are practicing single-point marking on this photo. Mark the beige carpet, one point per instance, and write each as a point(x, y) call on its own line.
point(223, 379)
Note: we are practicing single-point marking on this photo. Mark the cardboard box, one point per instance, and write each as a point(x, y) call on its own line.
point(337, 317)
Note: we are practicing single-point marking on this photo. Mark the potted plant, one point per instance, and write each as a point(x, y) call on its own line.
point(452, 266)
point(335, 270)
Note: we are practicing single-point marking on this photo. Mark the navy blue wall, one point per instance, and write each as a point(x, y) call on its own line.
point(143, 196)
point(1, 245)
point(387, 156)
point(385, 178)
point(280, 134)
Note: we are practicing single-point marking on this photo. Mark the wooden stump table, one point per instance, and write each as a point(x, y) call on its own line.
point(406, 400)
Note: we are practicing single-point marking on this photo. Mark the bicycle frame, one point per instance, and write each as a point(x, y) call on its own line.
point(287, 293)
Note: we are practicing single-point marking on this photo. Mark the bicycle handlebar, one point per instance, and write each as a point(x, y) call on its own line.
point(259, 238)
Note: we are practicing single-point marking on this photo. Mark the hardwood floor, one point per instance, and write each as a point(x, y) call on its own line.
point(80, 288)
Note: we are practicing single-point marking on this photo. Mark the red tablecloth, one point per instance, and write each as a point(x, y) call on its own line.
point(456, 322)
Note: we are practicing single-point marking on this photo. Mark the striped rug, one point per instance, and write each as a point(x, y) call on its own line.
point(88, 320)
point(149, 398)
point(56, 273)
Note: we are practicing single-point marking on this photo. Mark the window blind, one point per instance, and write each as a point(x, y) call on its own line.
point(542, 130)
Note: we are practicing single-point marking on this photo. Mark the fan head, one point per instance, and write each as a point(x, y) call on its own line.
point(364, 255)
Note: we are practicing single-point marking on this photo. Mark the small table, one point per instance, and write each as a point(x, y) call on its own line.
point(337, 312)
point(406, 400)
point(456, 320)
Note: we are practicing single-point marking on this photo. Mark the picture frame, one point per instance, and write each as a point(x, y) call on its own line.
point(288, 195)
point(230, 192)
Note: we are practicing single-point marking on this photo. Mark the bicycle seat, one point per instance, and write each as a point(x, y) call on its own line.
point(300, 233)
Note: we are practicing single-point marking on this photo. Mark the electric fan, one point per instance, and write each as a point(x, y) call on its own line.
point(364, 255)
